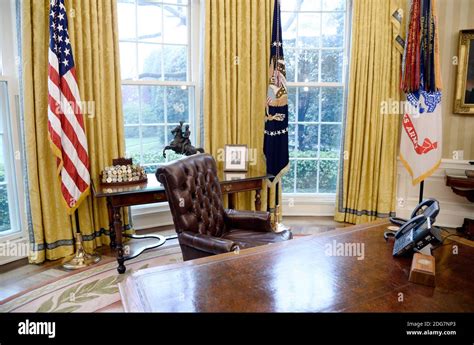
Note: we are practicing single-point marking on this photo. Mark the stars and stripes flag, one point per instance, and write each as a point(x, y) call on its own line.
point(65, 120)
point(275, 145)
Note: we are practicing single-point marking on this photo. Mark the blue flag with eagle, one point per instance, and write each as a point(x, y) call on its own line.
point(275, 145)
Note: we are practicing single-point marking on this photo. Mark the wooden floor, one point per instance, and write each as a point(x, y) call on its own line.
point(19, 276)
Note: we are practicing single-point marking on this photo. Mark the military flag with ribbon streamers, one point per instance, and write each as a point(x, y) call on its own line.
point(421, 137)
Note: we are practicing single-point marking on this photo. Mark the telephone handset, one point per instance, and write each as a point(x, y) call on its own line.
point(413, 223)
point(418, 231)
point(419, 209)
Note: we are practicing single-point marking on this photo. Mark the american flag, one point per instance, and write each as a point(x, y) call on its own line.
point(65, 120)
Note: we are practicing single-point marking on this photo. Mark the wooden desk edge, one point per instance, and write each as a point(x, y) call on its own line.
point(260, 249)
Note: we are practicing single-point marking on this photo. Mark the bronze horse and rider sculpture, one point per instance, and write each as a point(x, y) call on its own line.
point(181, 144)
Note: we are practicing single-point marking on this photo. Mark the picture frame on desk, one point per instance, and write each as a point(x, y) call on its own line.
point(236, 158)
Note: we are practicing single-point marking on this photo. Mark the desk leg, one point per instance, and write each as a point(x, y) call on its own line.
point(258, 200)
point(231, 201)
point(110, 211)
point(118, 233)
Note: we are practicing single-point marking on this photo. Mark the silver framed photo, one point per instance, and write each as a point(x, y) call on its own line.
point(236, 158)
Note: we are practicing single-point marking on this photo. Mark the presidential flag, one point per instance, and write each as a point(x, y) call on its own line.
point(275, 144)
point(65, 121)
point(421, 137)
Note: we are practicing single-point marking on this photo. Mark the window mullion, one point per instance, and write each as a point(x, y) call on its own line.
point(162, 43)
point(297, 47)
point(140, 129)
point(165, 114)
point(137, 70)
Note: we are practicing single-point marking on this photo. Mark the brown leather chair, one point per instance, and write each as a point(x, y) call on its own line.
point(204, 227)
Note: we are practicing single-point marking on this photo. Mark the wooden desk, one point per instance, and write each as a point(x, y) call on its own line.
point(301, 276)
point(151, 192)
point(463, 186)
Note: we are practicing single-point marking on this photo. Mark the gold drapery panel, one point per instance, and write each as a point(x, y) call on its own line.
point(367, 178)
point(93, 31)
point(236, 58)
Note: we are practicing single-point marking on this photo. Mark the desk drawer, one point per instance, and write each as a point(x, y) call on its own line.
point(240, 186)
point(137, 199)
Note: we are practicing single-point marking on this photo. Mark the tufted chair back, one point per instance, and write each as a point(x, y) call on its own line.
point(194, 194)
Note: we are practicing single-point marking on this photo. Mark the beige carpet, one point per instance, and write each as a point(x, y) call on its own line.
point(90, 290)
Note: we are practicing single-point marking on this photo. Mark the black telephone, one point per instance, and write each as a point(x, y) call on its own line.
point(419, 231)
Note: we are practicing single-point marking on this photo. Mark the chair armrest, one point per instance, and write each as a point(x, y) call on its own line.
point(206, 243)
point(248, 220)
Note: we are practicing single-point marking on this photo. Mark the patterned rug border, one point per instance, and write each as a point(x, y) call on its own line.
point(38, 291)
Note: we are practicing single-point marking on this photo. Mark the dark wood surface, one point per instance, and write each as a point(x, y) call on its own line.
point(151, 192)
point(300, 276)
point(461, 185)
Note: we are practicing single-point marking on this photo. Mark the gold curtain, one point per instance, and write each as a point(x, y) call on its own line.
point(93, 32)
point(237, 53)
point(367, 186)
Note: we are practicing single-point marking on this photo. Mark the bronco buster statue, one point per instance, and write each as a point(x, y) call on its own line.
point(181, 143)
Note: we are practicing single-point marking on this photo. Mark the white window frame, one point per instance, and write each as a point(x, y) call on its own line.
point(320, 204)
point(151, 215)
point(9, 61)
point(13, 167)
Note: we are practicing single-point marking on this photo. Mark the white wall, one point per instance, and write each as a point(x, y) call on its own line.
point(308, 205)
point(151, 216)
point(454, 208)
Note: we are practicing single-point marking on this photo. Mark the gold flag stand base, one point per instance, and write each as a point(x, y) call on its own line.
point(278, 226)
point(81, 259)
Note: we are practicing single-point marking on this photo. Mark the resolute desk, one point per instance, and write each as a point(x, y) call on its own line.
point(307, 274)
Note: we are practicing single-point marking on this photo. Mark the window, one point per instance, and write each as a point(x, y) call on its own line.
point(11, 182)
point(8, 200)
point(314, 41)
point(158, 78)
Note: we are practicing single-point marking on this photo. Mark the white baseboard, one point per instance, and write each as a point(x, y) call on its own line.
point(308, 205)
point(454, 208)
point(153, 215)
point(150, 216)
